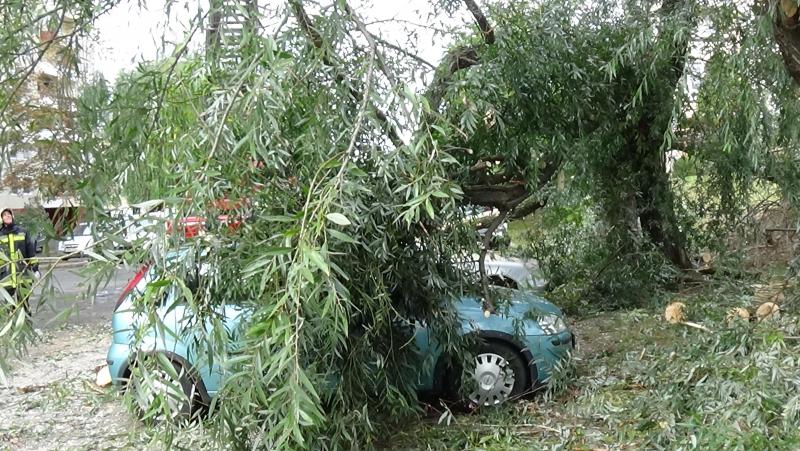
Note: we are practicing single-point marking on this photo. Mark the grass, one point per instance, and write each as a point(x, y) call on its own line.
point(517, 233)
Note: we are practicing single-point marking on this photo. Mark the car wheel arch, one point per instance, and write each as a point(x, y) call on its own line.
point(443, 363)
point(192, 373)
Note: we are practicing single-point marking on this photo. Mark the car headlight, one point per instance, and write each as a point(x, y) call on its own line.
point(552, 324)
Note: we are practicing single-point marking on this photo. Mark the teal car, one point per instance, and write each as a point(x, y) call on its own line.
point(517, 348)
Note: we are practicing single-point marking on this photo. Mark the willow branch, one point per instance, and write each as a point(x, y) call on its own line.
point(372, 44)
point(316, 39)
point(488, 304)
point(171, 71)
point(405, 52)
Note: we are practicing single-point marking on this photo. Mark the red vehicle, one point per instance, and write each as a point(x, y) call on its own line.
point(193, 226)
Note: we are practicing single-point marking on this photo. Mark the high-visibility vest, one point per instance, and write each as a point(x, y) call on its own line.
point(12, 259)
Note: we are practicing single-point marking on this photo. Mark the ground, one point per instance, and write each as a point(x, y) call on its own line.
point(51, 401)
point(635, 382)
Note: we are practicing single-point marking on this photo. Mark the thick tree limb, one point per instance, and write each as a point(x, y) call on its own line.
point(458, 59)
point(508, 196)
point(308, 26)
point(528, 206)
point(787, 34)
point(518, 207)
point(480, 19)
point(318, 42)
point(496, 196)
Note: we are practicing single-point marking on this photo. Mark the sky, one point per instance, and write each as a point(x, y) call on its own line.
point(129, 34)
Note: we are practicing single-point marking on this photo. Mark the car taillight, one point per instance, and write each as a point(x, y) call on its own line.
point(131, 284)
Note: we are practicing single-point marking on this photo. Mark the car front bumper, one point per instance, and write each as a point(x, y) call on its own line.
point(551, 350)
point(117, 358)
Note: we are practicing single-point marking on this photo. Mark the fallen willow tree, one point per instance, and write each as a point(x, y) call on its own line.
point(351, 182)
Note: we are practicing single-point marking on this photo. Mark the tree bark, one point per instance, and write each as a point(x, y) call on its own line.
point(480, 19)
point(787, 34)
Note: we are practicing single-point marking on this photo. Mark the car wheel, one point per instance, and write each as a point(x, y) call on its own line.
point(499, 373)
point(159, 396)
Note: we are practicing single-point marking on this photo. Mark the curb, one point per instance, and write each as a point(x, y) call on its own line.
point(62, 264)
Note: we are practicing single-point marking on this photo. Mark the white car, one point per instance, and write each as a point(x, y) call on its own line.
point(81, 240)
point(138, 221)
point(510, 272)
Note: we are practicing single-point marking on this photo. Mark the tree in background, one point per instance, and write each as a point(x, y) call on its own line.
point(39, 103)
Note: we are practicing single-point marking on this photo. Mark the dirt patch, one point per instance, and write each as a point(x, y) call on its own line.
point(50, 400)
point(599, 335)
point(773, 238)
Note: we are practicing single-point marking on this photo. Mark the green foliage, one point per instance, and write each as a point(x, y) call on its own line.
point(344, 239)
point(703, 389)
point(585, 272)
point(348, 236)
point(538, 95)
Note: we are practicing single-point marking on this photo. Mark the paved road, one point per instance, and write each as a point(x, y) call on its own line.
point(68, 300)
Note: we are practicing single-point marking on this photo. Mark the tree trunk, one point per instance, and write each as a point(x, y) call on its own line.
point(647, 158)
point(787, 34)
point(655, 201)
point(657, 210)
point(624, 235)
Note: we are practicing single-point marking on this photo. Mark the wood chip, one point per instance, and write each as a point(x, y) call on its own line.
point(103, 377)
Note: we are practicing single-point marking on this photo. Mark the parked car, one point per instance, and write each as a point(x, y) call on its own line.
point(519, 346)
point(148, 228)
point(509, 272)
point(81, 240)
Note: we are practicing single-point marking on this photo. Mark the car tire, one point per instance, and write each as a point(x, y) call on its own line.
point(499, 373)
point(181, 395)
